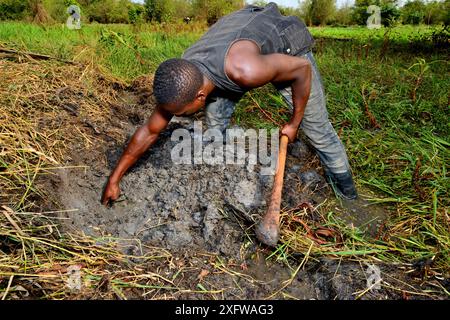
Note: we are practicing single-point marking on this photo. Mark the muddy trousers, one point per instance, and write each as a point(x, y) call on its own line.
point(315, 125)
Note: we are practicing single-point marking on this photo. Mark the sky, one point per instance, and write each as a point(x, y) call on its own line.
point(288, 3)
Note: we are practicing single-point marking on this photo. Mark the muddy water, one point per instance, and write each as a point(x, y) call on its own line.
point(362, 214)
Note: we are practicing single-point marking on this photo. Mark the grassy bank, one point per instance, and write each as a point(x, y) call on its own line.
point(390, 108)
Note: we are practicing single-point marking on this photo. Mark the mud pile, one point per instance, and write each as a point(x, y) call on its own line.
point(179, 206)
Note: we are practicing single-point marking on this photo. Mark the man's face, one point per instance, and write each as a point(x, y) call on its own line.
point(189, 109)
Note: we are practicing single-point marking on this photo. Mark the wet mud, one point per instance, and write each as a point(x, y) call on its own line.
point(193, 210)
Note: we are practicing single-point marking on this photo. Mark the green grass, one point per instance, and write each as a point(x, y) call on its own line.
point(124, 51)
point(404, 162)
point(361, 32)
point(400, 35)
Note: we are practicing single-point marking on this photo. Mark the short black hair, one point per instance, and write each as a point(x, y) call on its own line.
point(176, 81)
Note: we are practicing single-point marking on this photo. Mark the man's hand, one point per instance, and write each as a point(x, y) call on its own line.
point(290, 131)
point(141, 140)
point(111, 193)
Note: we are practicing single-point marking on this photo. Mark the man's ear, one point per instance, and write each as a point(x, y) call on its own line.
point(201, 96)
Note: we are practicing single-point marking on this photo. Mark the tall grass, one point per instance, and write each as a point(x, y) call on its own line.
point(401, 155)
point(124, 51)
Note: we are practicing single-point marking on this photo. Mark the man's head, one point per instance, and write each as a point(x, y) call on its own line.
point(177, 87)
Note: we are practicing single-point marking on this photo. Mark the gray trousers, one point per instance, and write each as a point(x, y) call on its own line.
point(315, 124)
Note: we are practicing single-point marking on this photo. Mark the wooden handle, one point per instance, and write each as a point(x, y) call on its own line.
point(268, 229)
point(275, 199)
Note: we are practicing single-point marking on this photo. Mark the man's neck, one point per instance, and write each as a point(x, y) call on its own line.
point(208, 85)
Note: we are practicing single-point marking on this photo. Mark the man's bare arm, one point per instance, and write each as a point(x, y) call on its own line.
point(247, 67)
point(142, 139)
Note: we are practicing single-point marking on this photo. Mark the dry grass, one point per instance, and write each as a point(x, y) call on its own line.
point(48, 110)
point(39, 262)
point(319, 231)
point(45, 108)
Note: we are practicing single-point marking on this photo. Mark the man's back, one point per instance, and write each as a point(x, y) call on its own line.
point(271, 31)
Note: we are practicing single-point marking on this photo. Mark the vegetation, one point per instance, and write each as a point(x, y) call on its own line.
point(313, 12)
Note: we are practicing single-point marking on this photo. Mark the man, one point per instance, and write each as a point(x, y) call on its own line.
point(244, 50)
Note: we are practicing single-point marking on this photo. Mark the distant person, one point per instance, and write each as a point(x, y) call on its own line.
point(244, 50)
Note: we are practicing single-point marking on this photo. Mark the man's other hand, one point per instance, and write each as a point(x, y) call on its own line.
point(290, 131)
point(111, 193)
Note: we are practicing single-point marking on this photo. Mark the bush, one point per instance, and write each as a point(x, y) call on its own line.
point(109, 11)
point(13, 9)
point(413, 12)
point(136, 13)
point(389, 12)
point(213, 10)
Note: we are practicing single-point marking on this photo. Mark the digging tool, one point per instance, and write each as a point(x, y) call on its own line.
point(268, 229)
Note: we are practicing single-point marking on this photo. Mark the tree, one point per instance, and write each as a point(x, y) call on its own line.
point(136, 13)
point(289, 11)
point(108, 11)
point(181, 9)
point(157, 10)
point(305, 11)
point(413, 12)
point(437, 12)
point(389, 13)
point(318, 12)
point(388, 9)
point(343, 16)
point(213, 10)
point(12, 9)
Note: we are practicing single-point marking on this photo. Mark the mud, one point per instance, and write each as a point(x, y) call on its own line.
point(196, 209)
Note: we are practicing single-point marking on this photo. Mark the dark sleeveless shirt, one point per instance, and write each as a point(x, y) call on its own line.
point(271, 31)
